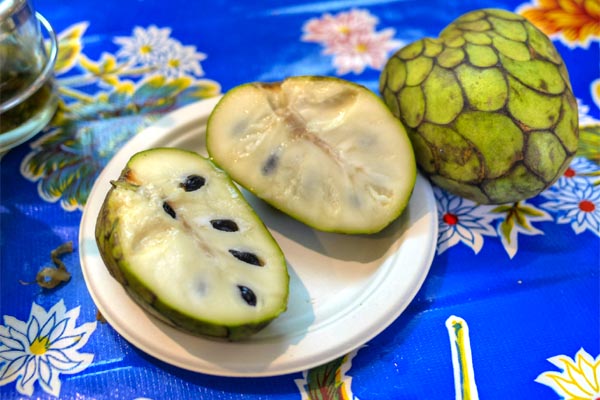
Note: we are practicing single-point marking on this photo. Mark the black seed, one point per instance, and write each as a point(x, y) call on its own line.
point(247, 257)
point(248, 295)
point(169, 210)
point(193, 182)
point(270, 165)
point(225, 225)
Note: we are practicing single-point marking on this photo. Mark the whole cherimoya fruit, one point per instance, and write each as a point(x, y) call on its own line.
point(488, 107)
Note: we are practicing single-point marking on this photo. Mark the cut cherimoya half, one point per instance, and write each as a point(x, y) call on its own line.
point(177, 234)
point(323, 150)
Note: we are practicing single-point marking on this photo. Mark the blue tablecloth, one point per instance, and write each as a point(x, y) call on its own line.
point(509, 310)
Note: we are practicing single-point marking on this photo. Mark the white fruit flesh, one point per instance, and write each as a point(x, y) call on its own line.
point(180, 257)
point(323, 150)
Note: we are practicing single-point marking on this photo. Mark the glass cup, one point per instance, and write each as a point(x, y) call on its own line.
point(28, 97)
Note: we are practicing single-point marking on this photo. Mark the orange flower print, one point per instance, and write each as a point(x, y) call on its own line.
point(574, 22)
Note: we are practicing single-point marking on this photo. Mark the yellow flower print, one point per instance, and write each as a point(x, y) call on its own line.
point(595, 89)
point(579, 379)
point(575, 22)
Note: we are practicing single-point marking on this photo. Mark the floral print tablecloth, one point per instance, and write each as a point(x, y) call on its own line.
point(510, 308)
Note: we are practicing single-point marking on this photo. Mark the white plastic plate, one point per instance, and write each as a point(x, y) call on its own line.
point(344, 289)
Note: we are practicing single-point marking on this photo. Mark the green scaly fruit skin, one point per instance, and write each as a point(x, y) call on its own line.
point(488, 107)
point(107, 240)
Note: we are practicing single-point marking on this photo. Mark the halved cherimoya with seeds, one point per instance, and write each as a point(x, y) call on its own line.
point(177, 234)
point(325, 151)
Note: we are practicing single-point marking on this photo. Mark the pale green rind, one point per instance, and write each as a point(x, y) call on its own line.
point(498, 138)
point(398, 79)
point(481, 56)
point(412, 105)
point(450, 57)
point(443, 96)
point(519, 183)
point(533, 109)
point(456, 157)
point(545, 155)
point(417, 70)
point(486, 88)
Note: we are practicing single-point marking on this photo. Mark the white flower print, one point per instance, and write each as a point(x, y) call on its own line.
point(579, 378)
point(145, 46)
point(42, 348)
point(585, 118)
point(462, 221)
point(576, 173)
point(178, 60)
point(575, 205)
point(155, 50)
point(518, 218)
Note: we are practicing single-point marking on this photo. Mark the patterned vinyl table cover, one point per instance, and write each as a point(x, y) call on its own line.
point(510, 308)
